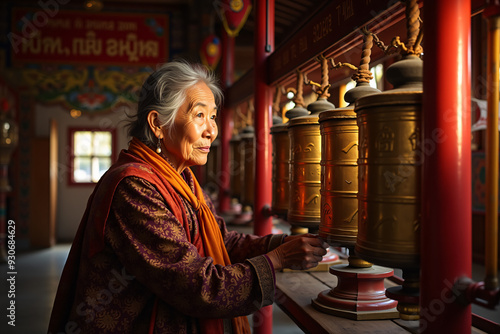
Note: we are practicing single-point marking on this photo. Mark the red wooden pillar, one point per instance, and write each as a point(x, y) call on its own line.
point(446, 152)
point(263, 117)
point(226, 123)
point(263, 45)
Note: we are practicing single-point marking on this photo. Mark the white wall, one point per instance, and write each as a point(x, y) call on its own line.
point(72, 200)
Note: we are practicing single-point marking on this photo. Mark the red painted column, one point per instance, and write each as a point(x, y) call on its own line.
point(262, 117)
point(263, 45)
point(446, 152)
point(226, 123)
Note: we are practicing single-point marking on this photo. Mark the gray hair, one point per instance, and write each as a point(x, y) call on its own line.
point(165, 91)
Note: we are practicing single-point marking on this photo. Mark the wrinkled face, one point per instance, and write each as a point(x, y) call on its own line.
point(194, 129)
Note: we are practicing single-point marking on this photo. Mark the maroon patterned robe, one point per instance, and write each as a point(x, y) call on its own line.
point(148, 275)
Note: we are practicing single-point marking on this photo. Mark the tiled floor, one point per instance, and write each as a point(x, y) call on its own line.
point(36, 282)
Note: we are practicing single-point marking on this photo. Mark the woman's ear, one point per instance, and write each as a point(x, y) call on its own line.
point(154, 123)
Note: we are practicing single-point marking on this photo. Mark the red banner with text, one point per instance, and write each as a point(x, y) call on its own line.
point(63, 36)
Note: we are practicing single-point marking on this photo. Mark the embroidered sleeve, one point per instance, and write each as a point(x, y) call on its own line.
point(152, 245)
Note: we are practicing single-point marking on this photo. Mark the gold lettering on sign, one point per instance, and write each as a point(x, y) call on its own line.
point(127, 26)
point(33, 45)
point(88, 46)
point(52, 46)
point(345, 10)
point(59, 23)
point(132, 48)
point(99, 25)
point(322, 29)
point(149, 48)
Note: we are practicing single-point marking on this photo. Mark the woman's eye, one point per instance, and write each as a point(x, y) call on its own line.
point(199, 114)
point(214, 117)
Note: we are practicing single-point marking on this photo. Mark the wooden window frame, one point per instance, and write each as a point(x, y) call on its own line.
point(71, 153)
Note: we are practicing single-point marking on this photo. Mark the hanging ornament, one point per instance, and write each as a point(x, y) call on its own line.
point(210, 51)
point(234, 14)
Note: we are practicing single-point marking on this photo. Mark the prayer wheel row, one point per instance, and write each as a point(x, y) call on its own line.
point(280, 169)
point(354, 176)
point(242, 169)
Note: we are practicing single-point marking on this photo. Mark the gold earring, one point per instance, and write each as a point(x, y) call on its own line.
point(158, 146)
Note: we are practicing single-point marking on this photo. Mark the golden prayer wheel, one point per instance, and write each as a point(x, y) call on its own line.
point(339, 171)
point(390, 171)
point(280, 169)
point(281, 163)
point(247, 160)
point(235, 166)
point(305, 172)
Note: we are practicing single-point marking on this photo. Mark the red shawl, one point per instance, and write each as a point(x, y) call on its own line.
point(90, 234)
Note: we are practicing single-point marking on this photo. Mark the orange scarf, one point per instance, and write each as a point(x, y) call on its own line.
point(211, 236)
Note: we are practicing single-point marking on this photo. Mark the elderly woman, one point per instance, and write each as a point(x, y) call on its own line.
point(151, 255)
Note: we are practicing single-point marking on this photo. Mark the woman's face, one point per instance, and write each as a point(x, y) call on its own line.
point(194, 129)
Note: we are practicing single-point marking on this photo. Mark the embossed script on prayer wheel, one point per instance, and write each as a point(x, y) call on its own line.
point(305, 172)
point(235, 166)
point(280, 169)
point(247, 159)
point(339, 170)
point(389, 178)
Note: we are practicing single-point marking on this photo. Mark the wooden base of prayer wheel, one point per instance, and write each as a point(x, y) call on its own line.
point(359, 294)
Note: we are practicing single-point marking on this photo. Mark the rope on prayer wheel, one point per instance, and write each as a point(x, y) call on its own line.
point(415, 34)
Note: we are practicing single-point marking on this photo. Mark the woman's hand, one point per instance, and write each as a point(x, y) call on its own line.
point(303, 251)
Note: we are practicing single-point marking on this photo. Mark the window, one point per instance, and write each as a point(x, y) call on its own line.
point(92, 153)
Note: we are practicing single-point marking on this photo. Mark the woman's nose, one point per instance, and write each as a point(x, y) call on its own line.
point(211, 129)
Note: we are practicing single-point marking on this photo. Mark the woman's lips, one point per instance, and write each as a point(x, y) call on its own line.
point(205, 149)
